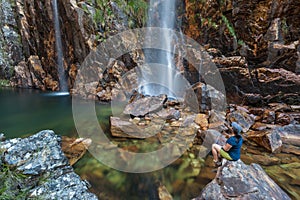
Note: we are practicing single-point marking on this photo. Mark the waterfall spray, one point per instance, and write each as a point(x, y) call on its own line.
point(58, 43)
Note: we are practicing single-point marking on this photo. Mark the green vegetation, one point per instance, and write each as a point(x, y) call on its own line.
point(4, 83)
point(209, 22)
point(137, 10)
point(229, 26)
point(284, 26)
point(103, 14)
point(12, 184)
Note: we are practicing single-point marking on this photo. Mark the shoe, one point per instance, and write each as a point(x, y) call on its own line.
point(218, 163)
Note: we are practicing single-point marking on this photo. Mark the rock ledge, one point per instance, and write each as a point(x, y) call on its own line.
point(43, 170)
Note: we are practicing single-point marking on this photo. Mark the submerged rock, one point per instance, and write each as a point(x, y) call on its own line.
point(74, 148)
point(290, 177)
point(163, 193)
point(236, 180)
point(47, 172)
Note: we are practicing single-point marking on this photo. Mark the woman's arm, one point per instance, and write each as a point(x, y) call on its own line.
point(227, 147)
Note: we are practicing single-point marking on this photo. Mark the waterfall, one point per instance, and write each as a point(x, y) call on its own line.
point(162, 14)
point(59, 51)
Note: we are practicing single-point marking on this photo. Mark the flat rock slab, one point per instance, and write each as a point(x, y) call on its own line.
point(145, 105)
point(127, 129)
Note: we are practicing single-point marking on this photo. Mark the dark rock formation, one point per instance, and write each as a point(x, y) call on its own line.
point(255, 45)
point(32, 75)
point(45, 169)
point(36, 26)
point(10, 41)
point(235, 180)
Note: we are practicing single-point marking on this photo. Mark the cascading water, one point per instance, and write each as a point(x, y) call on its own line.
point(162, 14)
point(58, 43)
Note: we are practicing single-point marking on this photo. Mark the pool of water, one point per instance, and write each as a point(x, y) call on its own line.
point(25, 112)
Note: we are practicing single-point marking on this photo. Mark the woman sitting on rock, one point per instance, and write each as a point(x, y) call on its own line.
point(232, 149)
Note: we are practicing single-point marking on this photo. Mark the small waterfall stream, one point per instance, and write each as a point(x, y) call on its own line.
point(162, 14)
point(59, 51)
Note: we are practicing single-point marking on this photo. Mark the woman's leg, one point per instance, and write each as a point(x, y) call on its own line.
point(216, 151)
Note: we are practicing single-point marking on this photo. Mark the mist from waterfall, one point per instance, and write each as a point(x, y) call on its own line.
point(162, 14)
point(63, 83)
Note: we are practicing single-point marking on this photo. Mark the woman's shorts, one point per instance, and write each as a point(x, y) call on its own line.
point(224, 154)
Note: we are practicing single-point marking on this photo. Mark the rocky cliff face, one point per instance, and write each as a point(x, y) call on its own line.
point(10, 40)
point(36, 27)
point(27, 33)
point(255, 44)
point(251, 42)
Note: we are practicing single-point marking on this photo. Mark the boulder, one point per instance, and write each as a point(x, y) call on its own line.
point(283, 118)
point(124, 128)
point(143, 106)
point(268, 116)
point(290, 134)
point(217, 120)
point(202, 121)
point(243, 118)
point(269, 139)
point(258, 126)
point(44, 167)
point(169, 113)
point(236, 180)
point(210, 137)
point(203, 97)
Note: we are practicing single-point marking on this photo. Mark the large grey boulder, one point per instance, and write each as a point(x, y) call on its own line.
point(43, 170)
point(236, 180)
